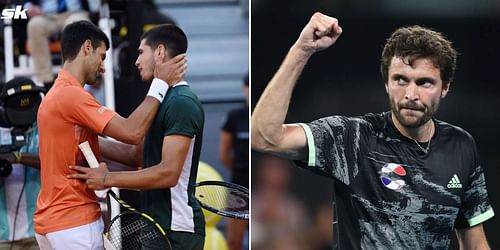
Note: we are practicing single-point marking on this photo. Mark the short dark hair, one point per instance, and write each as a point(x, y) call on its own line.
point(75, 34)
point(416, 42)
point(171, 36)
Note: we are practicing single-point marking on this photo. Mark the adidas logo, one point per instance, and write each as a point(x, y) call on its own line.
point(454, 182)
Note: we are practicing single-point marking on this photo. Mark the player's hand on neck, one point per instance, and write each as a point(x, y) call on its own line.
point(171, 70)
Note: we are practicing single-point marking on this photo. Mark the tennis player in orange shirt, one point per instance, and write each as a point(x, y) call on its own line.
point(67, 214)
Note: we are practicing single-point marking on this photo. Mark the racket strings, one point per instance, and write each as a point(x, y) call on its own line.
point(223, 198)
point(133, 231)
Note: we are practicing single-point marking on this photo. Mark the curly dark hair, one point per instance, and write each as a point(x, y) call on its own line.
point(416, 42)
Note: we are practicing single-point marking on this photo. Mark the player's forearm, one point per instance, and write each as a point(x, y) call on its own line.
point(30, 160)
point(225, 149)
point(127, 154)
point(272, 107)
point(227, 160)
point(159, 176)
point(474, 245)
point(27, 159)
point(140, 120)
point(472, 238)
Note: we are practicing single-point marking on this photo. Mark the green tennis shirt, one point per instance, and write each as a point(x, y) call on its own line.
point(176, 208)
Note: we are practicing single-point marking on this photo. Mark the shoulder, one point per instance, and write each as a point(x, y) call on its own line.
point(71, 94)
point(65, 99)
point(376, 121)
point(182, 105)
point(368, 120)
point(183, 102)
point(453, 131)
point(182, 97)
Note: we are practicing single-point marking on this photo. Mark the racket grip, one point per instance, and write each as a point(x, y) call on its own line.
point(89, 155)
point(107, 244)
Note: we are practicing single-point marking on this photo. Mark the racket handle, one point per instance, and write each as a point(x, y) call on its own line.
point(89, 155)
point(107, 244)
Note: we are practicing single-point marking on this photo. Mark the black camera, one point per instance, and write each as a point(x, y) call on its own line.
point(19, 102)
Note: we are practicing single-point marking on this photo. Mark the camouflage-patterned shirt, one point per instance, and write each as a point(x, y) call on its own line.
point(389, 192)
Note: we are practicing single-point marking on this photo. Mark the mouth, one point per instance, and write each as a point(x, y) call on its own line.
point(412, 109)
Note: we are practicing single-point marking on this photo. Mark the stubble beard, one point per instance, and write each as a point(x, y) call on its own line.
point(412, 122)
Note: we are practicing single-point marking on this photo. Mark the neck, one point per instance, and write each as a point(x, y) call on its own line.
point(422, 133)
point(174, 83)
point(76, 71)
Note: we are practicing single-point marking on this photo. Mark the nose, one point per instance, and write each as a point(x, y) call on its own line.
point(103, 68)
point(137, 62)
point(411, 92)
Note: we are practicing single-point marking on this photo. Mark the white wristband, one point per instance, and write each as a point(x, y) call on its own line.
point(158, 89)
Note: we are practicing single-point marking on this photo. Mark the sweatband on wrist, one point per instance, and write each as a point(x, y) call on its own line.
point(158, 89)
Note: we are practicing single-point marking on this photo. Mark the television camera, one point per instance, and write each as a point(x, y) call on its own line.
point(19, 102)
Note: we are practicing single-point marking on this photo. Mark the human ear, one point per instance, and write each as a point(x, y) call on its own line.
point(160, 53)
point(444, 91)
point(87, 47)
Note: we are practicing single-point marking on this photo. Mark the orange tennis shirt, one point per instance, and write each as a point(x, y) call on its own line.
point(67, 116)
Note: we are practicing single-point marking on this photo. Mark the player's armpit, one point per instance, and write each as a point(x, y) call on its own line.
point(472, 238)
point(292, 143)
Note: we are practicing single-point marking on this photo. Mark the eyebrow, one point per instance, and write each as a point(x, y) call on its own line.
point(418, 81)
point(423, 80)
point(396, 76)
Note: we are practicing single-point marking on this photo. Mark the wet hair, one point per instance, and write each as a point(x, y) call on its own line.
point(416, 42)
point(75, 34)
point(171, 36)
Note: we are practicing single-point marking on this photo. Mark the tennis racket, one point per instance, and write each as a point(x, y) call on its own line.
point(129, 230)
point(222, 198)
point(133, 230)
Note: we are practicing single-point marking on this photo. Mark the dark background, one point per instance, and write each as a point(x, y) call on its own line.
point(345, 79)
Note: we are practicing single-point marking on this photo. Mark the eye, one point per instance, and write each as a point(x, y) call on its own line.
point(425, 82)
point(400, 80)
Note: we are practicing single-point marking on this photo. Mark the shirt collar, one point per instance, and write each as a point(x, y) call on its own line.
point(180, 84)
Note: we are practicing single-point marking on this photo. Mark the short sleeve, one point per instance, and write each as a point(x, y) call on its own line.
point(183, 117)
point(334, 145)
point(476, 207)
point(82, 108)
point(230, 123)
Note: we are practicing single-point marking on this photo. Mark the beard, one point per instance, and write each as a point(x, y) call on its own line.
point(412, 114)
point(92, 75)
point(92, 78)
